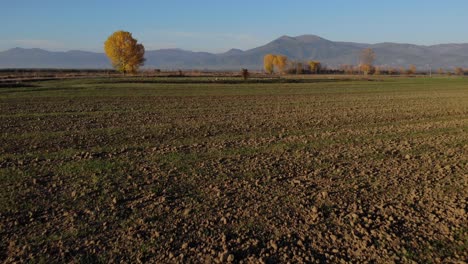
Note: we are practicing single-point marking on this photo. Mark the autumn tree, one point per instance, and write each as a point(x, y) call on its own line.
point(459, 71)
point(367, 58)
point(124, 52)
point(412, 69)
point(272, 61)
point(281, 62)
point(440, 71)
point(268, 63)
point(366, 69)
point(314, 66)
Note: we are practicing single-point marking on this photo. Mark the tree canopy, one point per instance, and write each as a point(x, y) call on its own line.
point(124, 52)
point(270, 61)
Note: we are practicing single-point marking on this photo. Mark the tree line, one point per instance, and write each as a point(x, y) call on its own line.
point(281, 64)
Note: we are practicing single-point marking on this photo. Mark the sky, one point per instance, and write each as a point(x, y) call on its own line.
point(219, 25)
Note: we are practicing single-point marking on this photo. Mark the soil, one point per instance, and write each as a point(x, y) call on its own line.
point(326, 172)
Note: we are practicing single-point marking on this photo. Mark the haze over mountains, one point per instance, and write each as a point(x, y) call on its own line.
point(303, 48)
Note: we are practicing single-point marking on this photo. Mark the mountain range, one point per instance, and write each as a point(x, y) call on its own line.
point(305, 47)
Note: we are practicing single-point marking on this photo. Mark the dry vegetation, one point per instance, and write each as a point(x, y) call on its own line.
point(322, 171)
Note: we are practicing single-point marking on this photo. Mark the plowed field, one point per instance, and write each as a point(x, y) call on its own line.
point(166, 170)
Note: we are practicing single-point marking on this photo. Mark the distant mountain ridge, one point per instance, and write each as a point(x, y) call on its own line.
point(305, 47)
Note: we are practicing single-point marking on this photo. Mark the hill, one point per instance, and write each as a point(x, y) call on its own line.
point(305, 47)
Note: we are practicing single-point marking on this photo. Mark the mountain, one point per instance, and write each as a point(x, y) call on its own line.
point(305, 47)
point(38, 58)
point(232, 52)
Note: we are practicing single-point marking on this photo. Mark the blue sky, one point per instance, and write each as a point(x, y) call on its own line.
point(218, 25)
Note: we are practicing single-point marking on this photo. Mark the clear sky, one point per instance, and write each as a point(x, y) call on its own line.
point(218, 25)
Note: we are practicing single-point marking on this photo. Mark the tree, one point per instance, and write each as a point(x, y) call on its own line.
point(347, 69)
point(281, 62)
point(315, 66)
point(378, 70)
point(459, 71)
point(268, 63)
point(367, 56)
point(366, 69)
point(402, 70)
point(124, 52)
point(412, 69)
point(440, 71)
point(299, 68)
point(245, 74)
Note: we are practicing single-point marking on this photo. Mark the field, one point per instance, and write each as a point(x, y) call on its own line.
point(199, 170)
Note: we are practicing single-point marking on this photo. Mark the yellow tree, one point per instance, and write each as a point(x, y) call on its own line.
point(367, 69)
point(124, 52)
point(412, 69)
point(281, 62)
point(268, 63)
point(315, 66)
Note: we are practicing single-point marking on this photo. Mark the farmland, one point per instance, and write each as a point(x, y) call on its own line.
point(201, 170)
